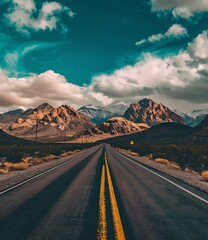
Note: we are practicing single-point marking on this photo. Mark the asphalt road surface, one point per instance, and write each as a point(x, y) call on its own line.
point(101, 194)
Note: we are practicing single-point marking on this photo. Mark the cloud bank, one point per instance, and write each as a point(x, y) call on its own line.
point(26, 16)
point(181, 78)
point(176, 31)
point(180, 9)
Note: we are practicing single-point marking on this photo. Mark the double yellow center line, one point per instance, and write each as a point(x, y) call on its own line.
point(102, 222)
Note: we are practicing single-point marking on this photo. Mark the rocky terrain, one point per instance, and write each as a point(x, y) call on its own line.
point(49, 121)
point(115, 126)
point(152, 113)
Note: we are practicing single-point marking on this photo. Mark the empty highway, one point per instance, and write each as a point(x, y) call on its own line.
point(101, 194)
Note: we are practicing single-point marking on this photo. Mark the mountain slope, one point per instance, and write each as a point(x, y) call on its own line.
point(50, 121)
point(8, 139)
point(115, 126)
point(196, 113)
point(150, 112)
point(10, 116)
point(98, 114)
point(164, 133)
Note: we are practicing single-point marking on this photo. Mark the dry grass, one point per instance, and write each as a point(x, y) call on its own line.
point(162, 161)
point(134, 154)
point(2, 171)
point(27, 159)
point(36, 161)
point(63, 155)
point(75, 151)
point(191, 171)
point(70, 153)
point(15, 166)
point(205, 175)
point(54, 157)
point(174, 166)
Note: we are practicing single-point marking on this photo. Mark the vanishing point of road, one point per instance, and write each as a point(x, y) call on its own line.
point(102, 194)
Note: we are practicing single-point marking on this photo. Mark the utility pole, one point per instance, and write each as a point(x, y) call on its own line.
point(36, 129)
point(65, 136)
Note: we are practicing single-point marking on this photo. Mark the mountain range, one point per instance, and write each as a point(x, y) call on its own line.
point(99, 114)
point(51, 124)
point(48, 122)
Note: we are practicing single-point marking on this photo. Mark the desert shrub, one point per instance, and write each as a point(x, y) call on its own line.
point(15, 166)
point(57, 151)
point(14, 157)
point(205, 175)
point(2, 171)
point(162, 161)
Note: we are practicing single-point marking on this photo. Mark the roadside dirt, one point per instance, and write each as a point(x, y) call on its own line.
point(189, 177)
point(14, 177)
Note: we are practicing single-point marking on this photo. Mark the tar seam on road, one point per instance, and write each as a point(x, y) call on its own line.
point(175, 184)
point(40, 174)
point(102, 222)
point(118, 228)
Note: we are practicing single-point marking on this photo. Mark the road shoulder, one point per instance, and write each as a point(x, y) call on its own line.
point(189, 178)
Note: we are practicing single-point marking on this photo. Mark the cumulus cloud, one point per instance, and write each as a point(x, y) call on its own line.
point(198, 49)
point(26, 16)
point(46, 87)
point(182, 9)
point(176, 31)
point(182, 77)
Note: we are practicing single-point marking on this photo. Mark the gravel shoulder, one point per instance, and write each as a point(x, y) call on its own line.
point(189, 177)
point(14, 177)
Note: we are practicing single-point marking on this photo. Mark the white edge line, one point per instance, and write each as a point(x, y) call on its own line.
point(175, 184)
point(40, 174)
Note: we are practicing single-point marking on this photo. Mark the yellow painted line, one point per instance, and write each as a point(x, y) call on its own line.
point(102, 222)
point(118, 228)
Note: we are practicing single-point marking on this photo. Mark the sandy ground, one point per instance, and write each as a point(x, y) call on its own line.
point(189, 177)
point(14, 177)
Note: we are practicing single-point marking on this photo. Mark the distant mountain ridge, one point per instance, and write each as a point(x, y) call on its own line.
point(99, 114)
point(10, 116)
point(194, 117)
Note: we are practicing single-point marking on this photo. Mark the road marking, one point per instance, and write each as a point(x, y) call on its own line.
point(102, 222)
point(166, 179)
point(40, 174)
point(118, 228)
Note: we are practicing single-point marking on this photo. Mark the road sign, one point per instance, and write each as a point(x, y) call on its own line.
point(132, 142)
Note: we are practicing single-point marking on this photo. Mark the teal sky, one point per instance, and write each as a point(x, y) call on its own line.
point(93, 38)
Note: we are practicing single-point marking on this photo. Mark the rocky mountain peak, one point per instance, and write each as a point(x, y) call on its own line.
point(150, 112)
point(144, 103)
point(44, 106)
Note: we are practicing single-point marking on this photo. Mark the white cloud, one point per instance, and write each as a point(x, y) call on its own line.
point(46, 87)
point(176, 31)
point(198, 49)
point(181, 78)
point(26, 16)
point(182, 9)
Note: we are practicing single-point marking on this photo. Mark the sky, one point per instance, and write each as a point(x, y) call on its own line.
point(97, 52)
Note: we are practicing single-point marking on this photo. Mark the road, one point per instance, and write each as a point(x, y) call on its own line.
point(101, 194)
